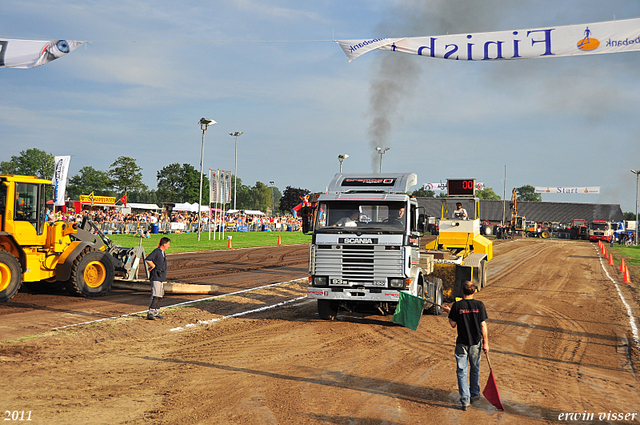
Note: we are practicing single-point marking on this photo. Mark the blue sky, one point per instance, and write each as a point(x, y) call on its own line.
point(151, 69)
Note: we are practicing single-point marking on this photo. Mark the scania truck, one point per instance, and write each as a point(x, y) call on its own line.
point(365, 247)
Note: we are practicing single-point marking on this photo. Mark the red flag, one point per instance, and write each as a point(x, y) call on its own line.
point(124, 199)
point(491, 390)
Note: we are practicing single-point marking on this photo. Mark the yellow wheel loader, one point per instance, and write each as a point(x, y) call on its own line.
point(48, 255)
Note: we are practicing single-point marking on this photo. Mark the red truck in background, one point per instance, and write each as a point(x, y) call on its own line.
point(579, 229)
point(600, 230)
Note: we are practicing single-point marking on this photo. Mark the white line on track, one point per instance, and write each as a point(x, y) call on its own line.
point(189, 302)
point(632, 320)
point(206, 322)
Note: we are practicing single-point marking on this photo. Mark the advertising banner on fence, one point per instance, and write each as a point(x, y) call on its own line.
point(560, 189)
point(32, 53)
point(59, 180)
point(553, 41)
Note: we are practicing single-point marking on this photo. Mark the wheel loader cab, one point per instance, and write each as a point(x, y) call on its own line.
point(23, 214)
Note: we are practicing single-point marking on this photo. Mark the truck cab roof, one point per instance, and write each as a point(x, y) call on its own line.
point(372, 183)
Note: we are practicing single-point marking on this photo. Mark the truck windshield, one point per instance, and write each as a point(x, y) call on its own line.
point(362, 216)
point(599, 226)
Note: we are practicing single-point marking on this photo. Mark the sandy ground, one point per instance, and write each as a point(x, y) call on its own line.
point(561, 342)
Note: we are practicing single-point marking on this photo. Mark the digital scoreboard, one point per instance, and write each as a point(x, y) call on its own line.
point(461, 187)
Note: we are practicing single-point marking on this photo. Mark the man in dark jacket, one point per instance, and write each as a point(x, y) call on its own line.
point(157, 266)
point(469, 317)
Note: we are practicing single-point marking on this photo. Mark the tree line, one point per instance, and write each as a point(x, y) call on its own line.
point(176, 183)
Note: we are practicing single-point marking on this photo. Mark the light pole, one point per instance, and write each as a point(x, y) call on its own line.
point(381, 152)
point(341, 158)
point(204, 123)
point(235, 172)
point(273, 200)
point(637, 173)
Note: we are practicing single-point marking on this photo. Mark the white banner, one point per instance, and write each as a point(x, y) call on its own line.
point(586, 39)
point(59, 180)
point(581, 189)
point(32, 53)
point(219, 186)
point(443, 186)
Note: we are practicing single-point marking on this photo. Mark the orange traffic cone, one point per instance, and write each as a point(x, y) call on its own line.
point(229, 244)
point(626, 278)
point(621, 266)
point(600, 245)
point(279, 240)
point(604, 251)
point(610, 259)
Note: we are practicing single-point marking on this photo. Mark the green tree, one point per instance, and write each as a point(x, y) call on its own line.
point(32, 162)
point(89, 180)
point(629, 216)
point(528, 193)
point(244, 199)
point(488, 193)
point(291, 197)
point(261, 195)
point(423, 193)
point(181, 183)
point(143, 196)
point(126, 175)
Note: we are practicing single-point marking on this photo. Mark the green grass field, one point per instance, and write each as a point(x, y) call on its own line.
point(188, 242)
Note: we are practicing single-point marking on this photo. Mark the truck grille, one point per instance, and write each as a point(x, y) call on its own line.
point(359, 264)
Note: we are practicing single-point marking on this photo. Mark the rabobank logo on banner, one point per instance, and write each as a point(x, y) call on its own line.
point(588, 42)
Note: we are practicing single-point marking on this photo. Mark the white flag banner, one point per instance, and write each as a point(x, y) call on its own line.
point(212, 186)
point(581, 189)
point(59, 181)
point(32, 53)
point(226, 179)
point(220, 186)
point(554, 41)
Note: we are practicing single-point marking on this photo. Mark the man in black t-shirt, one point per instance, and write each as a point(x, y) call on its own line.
point(469, 317)
point(157, 266)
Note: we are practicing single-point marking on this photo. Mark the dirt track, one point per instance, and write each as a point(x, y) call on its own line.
point(560, 342)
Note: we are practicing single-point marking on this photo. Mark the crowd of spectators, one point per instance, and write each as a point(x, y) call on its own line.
point(232, 222)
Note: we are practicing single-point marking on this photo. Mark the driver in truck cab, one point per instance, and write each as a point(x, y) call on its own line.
point(349, 221)
point(460, 213)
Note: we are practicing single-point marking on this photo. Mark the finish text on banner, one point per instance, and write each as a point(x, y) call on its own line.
point(554, 41)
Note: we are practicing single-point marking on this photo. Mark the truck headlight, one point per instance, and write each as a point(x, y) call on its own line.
point(396, 283)
point(320, 281)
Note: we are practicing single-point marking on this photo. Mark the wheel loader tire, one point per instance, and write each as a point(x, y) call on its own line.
point(91, 274)
point(10, 276)
point(327, 309)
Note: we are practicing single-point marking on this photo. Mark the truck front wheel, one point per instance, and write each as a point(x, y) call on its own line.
point(328, 310)
point(10, 276)
point(91, 274)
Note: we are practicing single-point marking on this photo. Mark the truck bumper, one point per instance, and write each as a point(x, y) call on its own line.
point(353, 294)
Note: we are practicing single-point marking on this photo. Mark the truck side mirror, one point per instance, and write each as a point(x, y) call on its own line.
point(422, 223)
point(307, 219)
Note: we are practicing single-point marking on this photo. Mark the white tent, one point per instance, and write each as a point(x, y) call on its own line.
point(190, 207)
point(137, 206)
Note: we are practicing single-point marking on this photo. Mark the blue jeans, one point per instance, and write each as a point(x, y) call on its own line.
point(468, 356)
